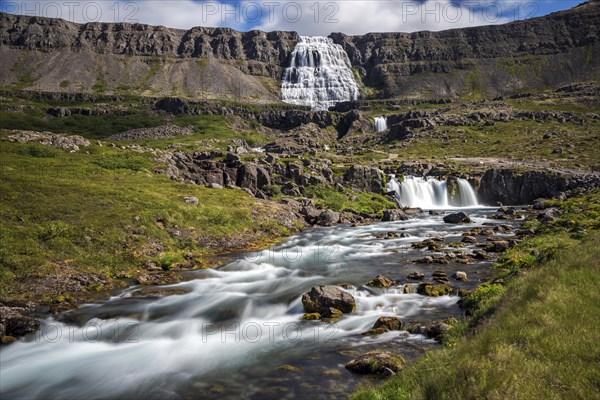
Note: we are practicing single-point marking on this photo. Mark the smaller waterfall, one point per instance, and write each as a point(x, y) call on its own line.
point(431, 193)
point(380, 124)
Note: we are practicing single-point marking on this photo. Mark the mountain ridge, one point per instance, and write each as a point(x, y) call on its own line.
point(485, 61)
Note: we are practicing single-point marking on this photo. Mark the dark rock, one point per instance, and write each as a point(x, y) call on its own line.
point(15, 323)
point(394, 215)
point(416, 276)
point(321, 298)
point(328, 218)
point(388, 323)
point(457, 218)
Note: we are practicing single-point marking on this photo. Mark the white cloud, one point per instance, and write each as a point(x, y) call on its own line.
point(303, 16)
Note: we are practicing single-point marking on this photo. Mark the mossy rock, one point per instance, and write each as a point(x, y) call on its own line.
point(380, 281)
point(375, 362)
point(311, 316)
point(432, 290)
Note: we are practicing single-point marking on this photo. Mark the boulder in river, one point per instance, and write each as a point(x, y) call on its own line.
point(457, 218)
point(380, 281)
point(394, 215)
point(429, 289)
point(460, 276)
point(321, 298)
point(376, 362)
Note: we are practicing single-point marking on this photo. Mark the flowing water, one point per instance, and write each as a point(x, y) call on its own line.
point(319, 74)
point(431, 193)
point(225, 332)
point(380, 124)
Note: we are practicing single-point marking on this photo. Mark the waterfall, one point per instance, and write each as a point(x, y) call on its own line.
point(319, 74)
point(380, 124)
point(431, 193)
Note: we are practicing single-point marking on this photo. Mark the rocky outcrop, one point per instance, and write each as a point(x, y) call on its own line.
point(51, 35)
point(58, 141)
point(549, 51)
point(365, 178)
point(512, 187)
point(158, 132)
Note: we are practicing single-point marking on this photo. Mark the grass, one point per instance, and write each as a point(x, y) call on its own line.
point(98, 213)
point(508, 139)
point(329, 197)
point(534, 336)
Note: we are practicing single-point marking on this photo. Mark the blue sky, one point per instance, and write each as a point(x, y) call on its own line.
point(309, 17)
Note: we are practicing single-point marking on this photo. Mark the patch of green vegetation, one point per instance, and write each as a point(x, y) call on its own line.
point(101, 85)
point(539, 323)
point(329, 197)
point(124, 160)
point(25, 80)
point(39, 151)
point(64, 84)
point(93, 126)
point(474, 85)
point(106, 213)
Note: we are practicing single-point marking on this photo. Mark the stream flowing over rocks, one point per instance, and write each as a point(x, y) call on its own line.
point(246, 330)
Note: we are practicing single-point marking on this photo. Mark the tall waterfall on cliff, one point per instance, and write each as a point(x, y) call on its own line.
point(431, 193)
point(319, 74)
point(380, 124)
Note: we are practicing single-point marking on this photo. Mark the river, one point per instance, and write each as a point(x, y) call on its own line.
point(224, 333)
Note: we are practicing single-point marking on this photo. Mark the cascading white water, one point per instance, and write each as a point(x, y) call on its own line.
point(380, 124)
point(431, 193)
point(319, 74)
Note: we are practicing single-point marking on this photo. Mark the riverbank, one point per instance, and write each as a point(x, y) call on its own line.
point(532, 331)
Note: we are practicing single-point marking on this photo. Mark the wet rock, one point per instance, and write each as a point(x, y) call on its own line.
point(457, 218)
point(432, 290)
point(321, 298)
point(375, 362)
point(469, 239)
point(311, 316)
point(15, 323)
point(380, 281)
point(440, 276)
point(388, 323)
point(394, 215)
point(460, 276)
point(497, 246)
point(437, 330)
point(416, 276)
point(332, 313)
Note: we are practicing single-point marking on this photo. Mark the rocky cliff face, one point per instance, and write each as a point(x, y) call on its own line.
point(55, 55)
point(48, 35)
point(487, 60)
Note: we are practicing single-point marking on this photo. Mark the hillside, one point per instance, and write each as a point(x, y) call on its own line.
point(487, 61)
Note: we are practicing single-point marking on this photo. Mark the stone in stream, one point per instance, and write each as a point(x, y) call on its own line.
point(497, 247)
point(394, 215)
point(321, 298)
point(376, 362)
point(380, 281)
point(416, 276)
point(383, 325)
point(469, 239)
point(460, 276)
point(429, 289)
point(457, 218)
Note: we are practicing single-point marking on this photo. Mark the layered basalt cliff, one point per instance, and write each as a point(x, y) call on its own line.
point(487, 61)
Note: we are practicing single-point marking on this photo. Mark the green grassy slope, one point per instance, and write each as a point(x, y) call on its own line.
point(541, 341)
